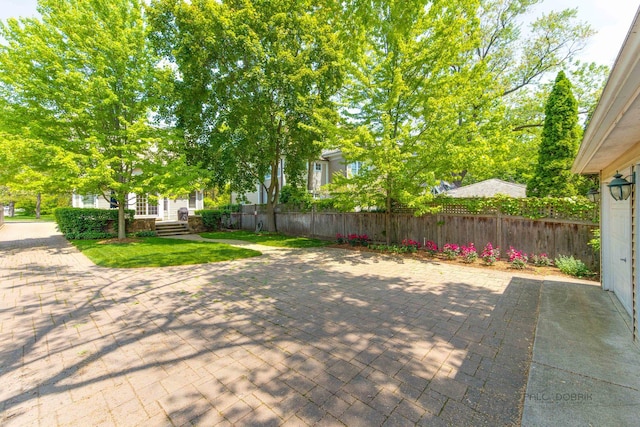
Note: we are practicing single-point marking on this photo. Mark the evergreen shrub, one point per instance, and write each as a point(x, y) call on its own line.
point(88, 223)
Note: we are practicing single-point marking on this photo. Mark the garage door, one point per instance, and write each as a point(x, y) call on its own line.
point(618, 252)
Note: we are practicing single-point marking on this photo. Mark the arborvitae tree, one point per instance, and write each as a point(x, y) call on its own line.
point(559, 145)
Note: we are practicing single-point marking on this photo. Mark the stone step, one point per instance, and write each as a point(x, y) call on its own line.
point(171, 228)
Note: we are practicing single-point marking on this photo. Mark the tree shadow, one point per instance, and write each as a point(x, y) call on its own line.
point(319, 335)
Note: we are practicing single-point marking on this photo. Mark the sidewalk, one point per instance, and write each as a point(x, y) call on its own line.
point(294, 337)
point(586, 368)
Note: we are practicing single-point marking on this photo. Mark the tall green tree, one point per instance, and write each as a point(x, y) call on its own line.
point(83, 82)
point(32, 169)
point(254, 87)
point(559, 146)
point(520, 59)
point(404, 101)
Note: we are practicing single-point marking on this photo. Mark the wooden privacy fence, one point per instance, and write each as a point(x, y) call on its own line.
point(532, 236)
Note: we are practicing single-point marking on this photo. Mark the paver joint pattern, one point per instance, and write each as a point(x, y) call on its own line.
point(295, 337)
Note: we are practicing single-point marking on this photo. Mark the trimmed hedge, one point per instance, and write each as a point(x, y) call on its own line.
point(213, 218)
point(85, 224)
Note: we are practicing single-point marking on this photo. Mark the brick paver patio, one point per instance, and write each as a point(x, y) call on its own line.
point(295, 337)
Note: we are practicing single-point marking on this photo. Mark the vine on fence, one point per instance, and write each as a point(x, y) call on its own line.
point(567, 208)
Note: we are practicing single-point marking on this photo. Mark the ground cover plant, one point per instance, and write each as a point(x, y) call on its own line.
point(158, 252)
point(573, 267)
point(268, 239)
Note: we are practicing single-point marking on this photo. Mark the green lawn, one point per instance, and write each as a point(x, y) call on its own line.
point(267, 239)
point(29, 218)
point(159, 252)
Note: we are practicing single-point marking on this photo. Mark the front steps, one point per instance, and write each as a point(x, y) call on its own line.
point(171, 228)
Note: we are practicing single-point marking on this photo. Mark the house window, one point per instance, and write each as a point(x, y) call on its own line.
point(353, 169)
point(318, 167)
point(89, 201)
point(143, 207)
point(192, 199)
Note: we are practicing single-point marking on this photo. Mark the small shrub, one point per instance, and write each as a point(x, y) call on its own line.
point(340, 238)
point(450, 251)
point(490, 254)
point(541, 260)
point(410, 245)
point(571, 266)
point(595, 242)
point(358, 239)
point(145, 233)
point(431, 248)
point(468, 253)
point(517, 259)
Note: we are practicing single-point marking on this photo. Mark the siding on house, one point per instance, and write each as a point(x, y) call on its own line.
point(611, 143)
point(163, 209)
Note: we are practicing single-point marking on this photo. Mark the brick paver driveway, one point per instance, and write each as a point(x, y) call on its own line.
point(295, 337)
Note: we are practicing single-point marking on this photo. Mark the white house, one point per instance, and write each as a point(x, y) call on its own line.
point(165, 209)
point(319, 174)
point(611, 149)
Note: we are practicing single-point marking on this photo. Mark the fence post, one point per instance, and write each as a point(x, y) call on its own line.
point(439, 226)
point(313, 220)
point(499, 230)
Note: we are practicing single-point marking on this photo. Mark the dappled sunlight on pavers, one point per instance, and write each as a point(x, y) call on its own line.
point(292, 337)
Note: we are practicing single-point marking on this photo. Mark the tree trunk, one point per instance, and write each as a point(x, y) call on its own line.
point(122, 225)
point(387, 221)
point(12, 209)
point(271, 225)
point(38, 203)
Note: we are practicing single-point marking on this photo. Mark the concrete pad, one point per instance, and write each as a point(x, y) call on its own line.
point(585, 367)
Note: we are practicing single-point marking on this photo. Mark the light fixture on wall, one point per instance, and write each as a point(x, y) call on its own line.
point(593, 195)
point(620, 188)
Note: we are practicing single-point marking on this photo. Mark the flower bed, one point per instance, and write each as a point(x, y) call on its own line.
point(489, 257)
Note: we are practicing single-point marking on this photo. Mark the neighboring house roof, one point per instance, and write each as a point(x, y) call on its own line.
point(443, 187)
point(615, 124)
point(331, 153)
point(489, 188)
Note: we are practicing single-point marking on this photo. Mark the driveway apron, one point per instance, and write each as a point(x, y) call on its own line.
point(294, 337)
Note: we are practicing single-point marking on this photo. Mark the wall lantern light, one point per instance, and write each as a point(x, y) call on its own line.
point(593, 195)
point(620, 188)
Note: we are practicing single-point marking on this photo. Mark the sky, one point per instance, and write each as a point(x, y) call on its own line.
point(611, 18)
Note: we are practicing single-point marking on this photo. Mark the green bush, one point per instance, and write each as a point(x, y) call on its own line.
point(212, 219)
point(294, 196)
point(145, 233)
point(215, 219)
point(571, 266)
point(79, 224)
point(595, 242)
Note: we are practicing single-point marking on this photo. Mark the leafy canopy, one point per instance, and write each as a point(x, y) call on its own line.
point(254, 85)
point(84, 83)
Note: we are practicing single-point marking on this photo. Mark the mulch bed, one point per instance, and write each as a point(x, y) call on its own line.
point(500, 265)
